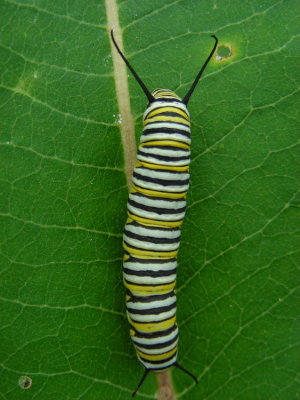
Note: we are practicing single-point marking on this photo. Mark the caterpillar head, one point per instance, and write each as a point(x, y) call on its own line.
point(165, 94)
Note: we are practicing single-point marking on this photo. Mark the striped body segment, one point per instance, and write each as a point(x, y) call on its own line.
point(156, 208)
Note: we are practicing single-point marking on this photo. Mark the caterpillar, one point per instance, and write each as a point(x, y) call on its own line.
point(156, 208)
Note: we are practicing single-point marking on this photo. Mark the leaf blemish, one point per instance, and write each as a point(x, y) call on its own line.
point(25, 382)
point(224, 51)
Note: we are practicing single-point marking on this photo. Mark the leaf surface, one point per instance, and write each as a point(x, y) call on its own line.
point(63, 203)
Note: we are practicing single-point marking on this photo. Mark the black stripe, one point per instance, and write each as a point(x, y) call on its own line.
point(154, 228)
point(147, 299)
point(157, 210)
point(166, 147)
point(157, 218)
point(158, 361)
point(152, 239)
point(183, 192)
point(138, 194)
point(154, 335)
point(165, 169)
point(162, 349)
point(148, 131)
point(175, 140)
point(154, 322)
point(166, 122)
point(147, 272)
point(153, 251)
point(163, 158)
point(156, 345)
point(151, 260)
point(148, 284)
point(165, 99)
point(167, 113)
point(152, 311)
point(162, 182)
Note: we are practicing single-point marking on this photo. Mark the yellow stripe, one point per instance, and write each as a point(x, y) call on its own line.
point(129, 220)
point(165, 118)
point(152, 222)
point(166, 93)
point(167, 195)
point(153, 327)
point(157, 357)
point(186, 141)
point(166, 168)
point(152, 253)
point(149, 258)
point(173, 143)
point(167, 109)
point(146, 290)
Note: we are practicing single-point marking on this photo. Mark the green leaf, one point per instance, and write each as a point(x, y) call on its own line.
point(63, 203)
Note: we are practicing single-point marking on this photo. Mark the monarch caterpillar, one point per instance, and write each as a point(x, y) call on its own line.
point(156, 208)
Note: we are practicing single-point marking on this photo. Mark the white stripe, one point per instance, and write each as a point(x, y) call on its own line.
point(154, 160)
point(157, 187)
point(155, 247)
point(152, 317)
point(165, 136)
point(158, 366)
point(160, 203)
point(164, 152)
point(135, 266)
point(142, 230)
point(155, 119)
point(161, 339)
point(176, 177)
point(159, 104)
point(158, 351)
point(155, 216)
point(170, 216)
point(139, 305)
point(172, 125)
point(150, 280)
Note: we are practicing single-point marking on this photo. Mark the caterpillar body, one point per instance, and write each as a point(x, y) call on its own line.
point(156, 208)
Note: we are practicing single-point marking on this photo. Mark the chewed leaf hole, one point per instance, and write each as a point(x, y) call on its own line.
point(224, 52)
point(25, 382)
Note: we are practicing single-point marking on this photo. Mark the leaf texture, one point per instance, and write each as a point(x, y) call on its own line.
point(63, 197)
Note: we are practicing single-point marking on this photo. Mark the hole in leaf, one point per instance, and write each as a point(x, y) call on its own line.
point(25, 382)
point(224, 52)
